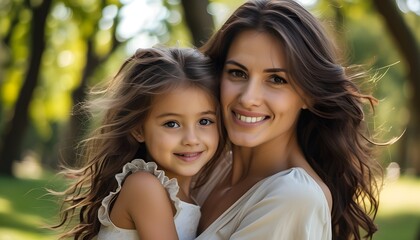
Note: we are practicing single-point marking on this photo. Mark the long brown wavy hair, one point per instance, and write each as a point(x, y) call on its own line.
point(124, 105)
point(332, 132)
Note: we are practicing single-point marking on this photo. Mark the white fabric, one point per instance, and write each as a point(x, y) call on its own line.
point(186, 218)
point(286, 205)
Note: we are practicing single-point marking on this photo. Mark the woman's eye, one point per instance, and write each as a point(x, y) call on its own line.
point(206, 122)
point(171, 124)
point(237, 73)
point(278, 80)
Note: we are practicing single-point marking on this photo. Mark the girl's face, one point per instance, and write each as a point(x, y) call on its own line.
point(181, 131)
point(259, 104)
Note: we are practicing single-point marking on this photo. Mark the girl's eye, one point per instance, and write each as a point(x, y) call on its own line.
point(206, 122)
point(237, 73)
point(278, 80)
point(171, 124)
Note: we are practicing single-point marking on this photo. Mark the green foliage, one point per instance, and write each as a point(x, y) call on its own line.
point(363, 40)
point(372, 45)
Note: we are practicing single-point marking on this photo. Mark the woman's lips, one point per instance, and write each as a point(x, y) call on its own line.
point(247, 119)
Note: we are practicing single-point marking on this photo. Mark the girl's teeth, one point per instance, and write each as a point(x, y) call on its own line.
point(249, 119)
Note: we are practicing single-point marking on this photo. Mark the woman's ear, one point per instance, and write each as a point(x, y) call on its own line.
point(138, 135)
point(307, 103)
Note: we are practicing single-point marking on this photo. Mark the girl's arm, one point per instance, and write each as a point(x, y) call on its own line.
point(144, 204)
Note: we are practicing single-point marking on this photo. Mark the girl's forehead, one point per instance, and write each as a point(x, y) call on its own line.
point(179, 90)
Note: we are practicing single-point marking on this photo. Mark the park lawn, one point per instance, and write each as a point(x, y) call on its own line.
point(399, 210)
point(25, 209)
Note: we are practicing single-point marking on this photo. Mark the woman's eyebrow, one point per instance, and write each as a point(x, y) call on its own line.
point(237, 64)
point(274, 70)
point(268, 70)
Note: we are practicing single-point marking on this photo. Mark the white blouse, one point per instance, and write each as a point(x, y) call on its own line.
point(286, 205)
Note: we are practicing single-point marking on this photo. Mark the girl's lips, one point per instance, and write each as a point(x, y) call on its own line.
point(188, 156)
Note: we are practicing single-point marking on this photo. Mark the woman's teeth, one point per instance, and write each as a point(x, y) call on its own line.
point(248, 119)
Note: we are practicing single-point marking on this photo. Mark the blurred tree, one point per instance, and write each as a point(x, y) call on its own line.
point(6, 39)
point(407, 44)
point(198, 20)
point(358, 43)
point(79, 120)
point(66, 42)
point(14, 130)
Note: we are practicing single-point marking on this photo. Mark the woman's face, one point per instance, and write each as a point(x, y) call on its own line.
point(260, 106)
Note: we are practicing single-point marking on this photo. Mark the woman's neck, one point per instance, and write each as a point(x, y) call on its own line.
point(264, 160)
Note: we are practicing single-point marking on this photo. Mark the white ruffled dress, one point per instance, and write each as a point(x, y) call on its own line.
point(186, 218)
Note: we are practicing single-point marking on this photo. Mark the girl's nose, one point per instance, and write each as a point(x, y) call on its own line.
point(190, 137)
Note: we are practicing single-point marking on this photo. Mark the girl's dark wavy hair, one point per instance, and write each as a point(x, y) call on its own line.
point(332, 132)
point(124, 105)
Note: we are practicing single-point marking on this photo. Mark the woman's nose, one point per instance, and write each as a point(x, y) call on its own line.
point(252, 94)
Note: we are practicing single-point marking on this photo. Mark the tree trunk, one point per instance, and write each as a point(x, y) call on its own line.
point(78, 122)
point(15, 129)
point(409, 49)
point(198, 20)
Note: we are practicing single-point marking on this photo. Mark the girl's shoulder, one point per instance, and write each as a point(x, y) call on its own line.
point(139, 175)
point(142, 182)
point(145, 175)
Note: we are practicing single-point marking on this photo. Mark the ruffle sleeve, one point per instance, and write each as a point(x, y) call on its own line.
point(171, 186)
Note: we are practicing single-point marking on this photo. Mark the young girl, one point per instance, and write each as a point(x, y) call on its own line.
point(161, 110)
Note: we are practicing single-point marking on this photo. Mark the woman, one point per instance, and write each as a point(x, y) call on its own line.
point(301, 164)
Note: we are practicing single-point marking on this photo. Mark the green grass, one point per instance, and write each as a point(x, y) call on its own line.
point(25, 209)
point(399, 210)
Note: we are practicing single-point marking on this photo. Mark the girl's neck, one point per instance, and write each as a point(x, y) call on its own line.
point(184, 184)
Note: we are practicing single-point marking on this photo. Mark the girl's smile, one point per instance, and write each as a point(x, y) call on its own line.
point(180, 139)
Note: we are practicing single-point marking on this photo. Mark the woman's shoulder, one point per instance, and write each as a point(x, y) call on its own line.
point(297, 186)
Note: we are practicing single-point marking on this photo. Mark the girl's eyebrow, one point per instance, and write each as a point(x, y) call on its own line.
point(268, 70)
point(170, 114)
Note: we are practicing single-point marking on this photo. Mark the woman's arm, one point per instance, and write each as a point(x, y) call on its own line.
point(143, 204)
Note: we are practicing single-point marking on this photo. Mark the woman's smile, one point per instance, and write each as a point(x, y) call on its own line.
point(259, 104)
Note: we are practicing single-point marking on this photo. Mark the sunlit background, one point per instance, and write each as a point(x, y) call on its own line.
point(87, 40)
